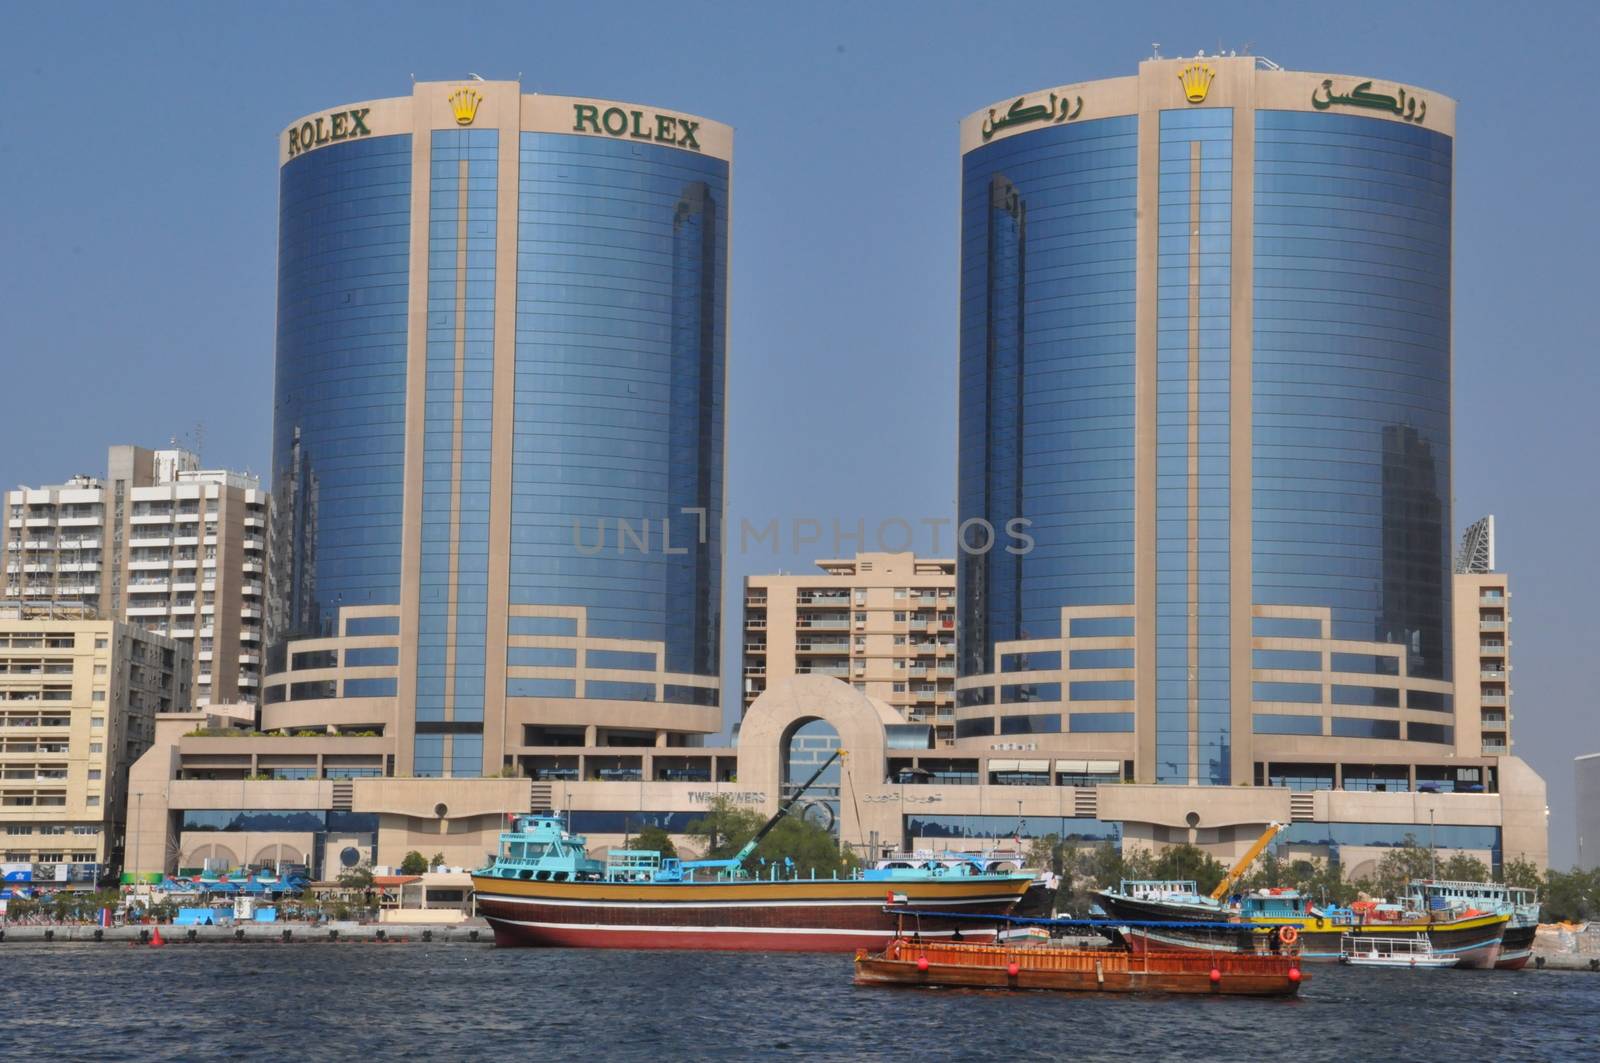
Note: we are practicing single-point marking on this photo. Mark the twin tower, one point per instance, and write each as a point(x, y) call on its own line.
point(1204, 351)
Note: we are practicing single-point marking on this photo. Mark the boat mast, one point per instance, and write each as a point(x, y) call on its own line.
point(784, 809)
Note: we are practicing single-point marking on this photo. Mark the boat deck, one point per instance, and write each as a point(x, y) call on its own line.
point(912, 962)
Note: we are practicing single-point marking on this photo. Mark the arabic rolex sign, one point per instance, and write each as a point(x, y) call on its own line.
point(1406, 108)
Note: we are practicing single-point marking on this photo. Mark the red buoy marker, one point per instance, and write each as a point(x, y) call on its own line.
point(922, 963)
point(1216, 976)
point(1294, 974)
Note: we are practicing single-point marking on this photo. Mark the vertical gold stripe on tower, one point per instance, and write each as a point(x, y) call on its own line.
point(1193, 514)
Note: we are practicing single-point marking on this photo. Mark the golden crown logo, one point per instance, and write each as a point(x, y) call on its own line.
point(1196, 78)
point(464, 102)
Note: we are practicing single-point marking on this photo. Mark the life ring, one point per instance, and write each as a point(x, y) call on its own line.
point(1288, 935)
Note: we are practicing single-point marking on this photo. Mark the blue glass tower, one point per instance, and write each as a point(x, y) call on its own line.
point(1205, 354)
point(498, 429)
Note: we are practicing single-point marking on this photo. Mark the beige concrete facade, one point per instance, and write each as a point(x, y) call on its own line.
point(882, 622)
point(896, 789)
point(158, 542)
point(79, 702)
point(1482, 619)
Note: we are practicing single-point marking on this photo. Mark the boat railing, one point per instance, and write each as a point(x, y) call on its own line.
point(1138, 887)
point(632, 865)
point(1367, 945)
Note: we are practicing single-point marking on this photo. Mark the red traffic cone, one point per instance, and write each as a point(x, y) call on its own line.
point(155, 939)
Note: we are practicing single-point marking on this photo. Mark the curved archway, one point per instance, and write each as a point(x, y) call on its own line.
point(784, 712)
point(213, 857)
point(806, 745)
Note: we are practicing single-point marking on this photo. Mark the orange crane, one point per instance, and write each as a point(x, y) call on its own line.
point(1236, 872)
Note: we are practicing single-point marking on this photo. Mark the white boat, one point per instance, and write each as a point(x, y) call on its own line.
point(1412, 952)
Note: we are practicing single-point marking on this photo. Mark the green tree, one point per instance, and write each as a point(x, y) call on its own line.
point(813, 850)
point(1402, 864)
point(1189, 862)
point(437, 861)
point(1464, 867)
point(356, 878)
point(1521, 873)
point(724, 828)
point(1101, 867)
point(654, 838)
point(414, 864)
point(1571, 896)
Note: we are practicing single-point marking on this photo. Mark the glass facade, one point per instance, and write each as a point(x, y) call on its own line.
point(453, 578)
point(1351, 378)
point(1342, 389)
point(617, 472)
point(1046, 378)
point(1194, 272)
point(339, 410)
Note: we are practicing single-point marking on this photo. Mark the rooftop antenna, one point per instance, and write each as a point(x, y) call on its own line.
point(1155, 49)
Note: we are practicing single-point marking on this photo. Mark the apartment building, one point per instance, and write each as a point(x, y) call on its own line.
point(158, 542)
point(1482, 622)
point(882, 622)
point(78, 704)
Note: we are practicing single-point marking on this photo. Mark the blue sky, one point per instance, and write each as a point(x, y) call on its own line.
point(138, 195)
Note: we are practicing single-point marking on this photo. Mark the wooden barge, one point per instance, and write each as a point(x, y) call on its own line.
point(908, 961)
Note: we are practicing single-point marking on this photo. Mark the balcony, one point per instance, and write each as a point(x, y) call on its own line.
point(1491, 625)
point(755, 623)
point(252, 589)
point(249, 635)
point(1492, 649)
point(753, 599)
point(251, 612)
point(841, 600)
point(1496, 749)
point(821, 623)
point(1492, 699)
point(252, 543)
point(822, 647)
point(1494, 721)
point(1491, 673)
point(837, 671)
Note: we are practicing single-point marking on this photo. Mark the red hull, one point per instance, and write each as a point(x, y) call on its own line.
point(518, 934)
point(776, 927)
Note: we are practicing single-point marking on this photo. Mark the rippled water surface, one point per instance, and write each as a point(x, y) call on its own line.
point(373, 1002)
